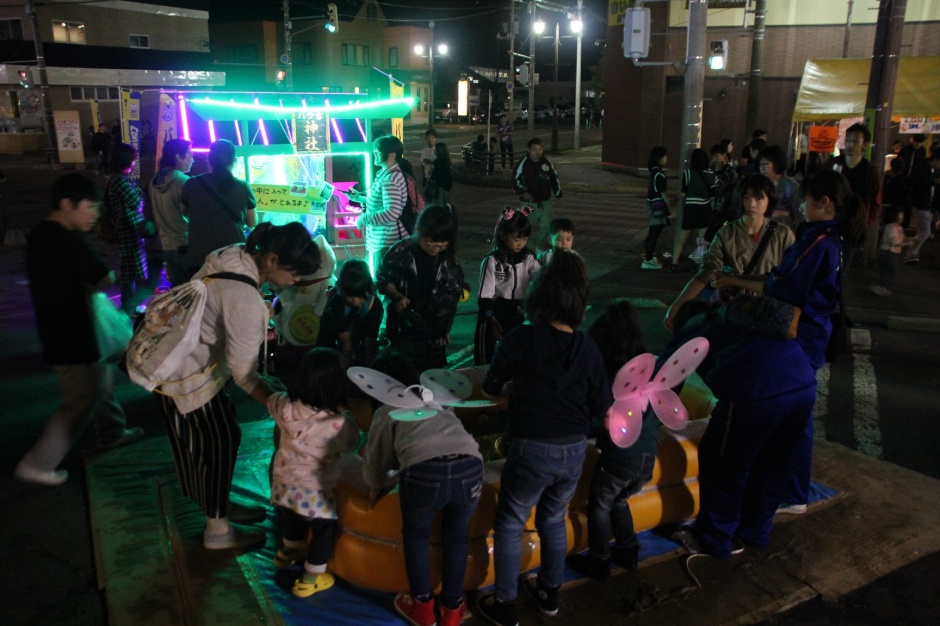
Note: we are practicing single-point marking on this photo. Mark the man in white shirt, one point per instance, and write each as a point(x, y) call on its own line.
point(427, 154)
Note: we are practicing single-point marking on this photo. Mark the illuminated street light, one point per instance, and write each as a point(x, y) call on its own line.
point(538, 27)
point(441, 50)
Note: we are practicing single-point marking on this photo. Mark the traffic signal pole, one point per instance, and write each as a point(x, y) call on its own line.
point(884, 73)
point(694, 93)
point(289, 64)
point(52, 154)
point(757, 69)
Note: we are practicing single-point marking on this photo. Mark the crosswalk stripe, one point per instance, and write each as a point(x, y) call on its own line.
point(866, 423)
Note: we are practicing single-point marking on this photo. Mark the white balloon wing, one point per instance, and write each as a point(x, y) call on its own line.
point(384, 388)
point(447, 385)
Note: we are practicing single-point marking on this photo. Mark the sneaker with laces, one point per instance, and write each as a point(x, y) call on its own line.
point(791, 509)
point(496, 612)
point(911, 259)
point(651, 264)
point(688, 540)
point(414, 611)
point(545, 597)
point(449, 616)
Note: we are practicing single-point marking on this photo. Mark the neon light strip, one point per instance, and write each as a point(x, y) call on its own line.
point(211, 131)
point(362, 131)
point(338, 109)
point(200, 149)
point(238, 133)
point(264, 133)
point(339, 137)
point(287, 125)
point(184, 116)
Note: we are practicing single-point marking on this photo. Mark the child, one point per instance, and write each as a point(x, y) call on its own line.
point(504, 280)
point(561, 231)
point(619, 472)
point(657, 206)
point(440, 470)
point(62, 269)
point(558, 383)
point(313, 433)
point(353, 314)
point(491, 157)
point(889, 254)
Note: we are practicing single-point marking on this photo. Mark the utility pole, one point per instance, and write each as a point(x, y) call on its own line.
point(52, 154)
point(532, 73)
point(289, 63)
point(848, 26)
point(512, 58)
point(757, 63)
point(577, 82)
point(694, 81)
point(884, 73)
point(555, 96)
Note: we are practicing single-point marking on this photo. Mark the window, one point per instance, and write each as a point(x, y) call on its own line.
point(306, 53)
point(140, 41)
point(11, 29)
point(393, 57)
point(355, 55)
point(68, 32)
point(82, 94)
point(247, 53)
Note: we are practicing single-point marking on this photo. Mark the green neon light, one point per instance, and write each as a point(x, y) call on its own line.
point(343, 108)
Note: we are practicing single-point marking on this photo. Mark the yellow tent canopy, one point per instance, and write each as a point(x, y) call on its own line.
point(837, 88)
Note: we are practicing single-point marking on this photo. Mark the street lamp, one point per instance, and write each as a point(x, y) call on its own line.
point(441, 51)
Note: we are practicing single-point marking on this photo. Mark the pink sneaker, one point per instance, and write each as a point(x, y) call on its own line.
point(414, 611)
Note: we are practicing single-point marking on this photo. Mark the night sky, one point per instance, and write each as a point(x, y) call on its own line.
point(469, 27)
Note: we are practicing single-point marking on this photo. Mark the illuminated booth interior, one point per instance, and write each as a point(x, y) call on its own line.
point(299, 152)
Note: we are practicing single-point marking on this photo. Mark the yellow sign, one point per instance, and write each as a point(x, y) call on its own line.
point(396, 90)
point(166, 123)
point(296, 198)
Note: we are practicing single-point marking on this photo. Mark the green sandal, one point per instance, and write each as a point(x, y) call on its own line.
point(286, 557)
point(303, 589)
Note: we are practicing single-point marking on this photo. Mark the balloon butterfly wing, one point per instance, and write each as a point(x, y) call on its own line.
point(387, 390)
point(635, 388)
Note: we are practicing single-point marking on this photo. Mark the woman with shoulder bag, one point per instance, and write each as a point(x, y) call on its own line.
point(735, 248)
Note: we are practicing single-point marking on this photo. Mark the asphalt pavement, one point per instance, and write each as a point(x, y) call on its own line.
point(892, 382)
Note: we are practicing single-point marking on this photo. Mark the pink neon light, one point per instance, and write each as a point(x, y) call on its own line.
point(200, 149)
point(184, 116)
point(264, 132)
point(211, 131)
point(339, 137)
point(361, 130)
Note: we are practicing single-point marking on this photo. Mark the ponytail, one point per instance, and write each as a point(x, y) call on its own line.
point(849, 209)
point(291, 243)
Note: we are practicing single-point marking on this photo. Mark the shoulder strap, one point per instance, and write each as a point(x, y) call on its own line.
point(234, 276)
point(761, 247)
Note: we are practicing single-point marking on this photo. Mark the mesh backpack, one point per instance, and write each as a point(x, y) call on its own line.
point(413, 205)
point(170, 330)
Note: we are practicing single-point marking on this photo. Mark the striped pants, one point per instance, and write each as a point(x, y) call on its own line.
point(205, 446)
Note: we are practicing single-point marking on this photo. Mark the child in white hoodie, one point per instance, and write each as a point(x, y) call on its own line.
point(313, 434)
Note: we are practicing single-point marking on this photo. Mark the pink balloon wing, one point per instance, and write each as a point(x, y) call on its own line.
point(633, 376)
point(669, 408)
point(681, 364)
point(626, 420)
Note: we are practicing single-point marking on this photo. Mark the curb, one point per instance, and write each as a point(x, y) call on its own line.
point(919, 324)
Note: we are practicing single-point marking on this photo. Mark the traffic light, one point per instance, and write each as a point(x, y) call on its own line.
point(24, 78)
point(718, 59)
point(332, 18)
point(281, 78)
point(523, 74)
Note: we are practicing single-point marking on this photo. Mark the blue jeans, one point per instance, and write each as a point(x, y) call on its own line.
point(536, 474)
point(608, 510)
point(452, 487)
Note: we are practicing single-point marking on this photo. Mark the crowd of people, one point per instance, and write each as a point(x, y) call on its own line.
point(758, 234)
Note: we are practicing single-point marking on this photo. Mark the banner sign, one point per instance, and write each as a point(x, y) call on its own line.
point(823, 138)
point(312, 131)
point(397, 90)
point(130, 125)
point(68, 136)
point(166, 123)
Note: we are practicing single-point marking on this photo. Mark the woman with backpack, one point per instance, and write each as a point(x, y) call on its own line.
point(384, 202)
point(201, 420)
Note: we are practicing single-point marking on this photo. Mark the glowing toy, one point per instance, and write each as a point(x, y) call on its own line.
point(635, 388)
point(438, 389)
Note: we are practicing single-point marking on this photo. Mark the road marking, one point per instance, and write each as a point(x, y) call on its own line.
point(821, 408)
point(866, 423)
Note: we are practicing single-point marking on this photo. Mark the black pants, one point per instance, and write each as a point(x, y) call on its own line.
point(294, 528)
point(651, 238)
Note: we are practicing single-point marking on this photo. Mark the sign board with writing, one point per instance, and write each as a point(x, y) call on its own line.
point(823, 138)
point(68, 137)
point(311, 131)
point(913, 125)
point(295, 198)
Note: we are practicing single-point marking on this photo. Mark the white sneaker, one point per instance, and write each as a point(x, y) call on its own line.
point(652, 264)
point(878, 290)
point(234, 538)
point(911, 259)
point(791, 509)
point(29, 474)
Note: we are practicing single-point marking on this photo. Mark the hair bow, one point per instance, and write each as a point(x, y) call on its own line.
point(509, 213)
